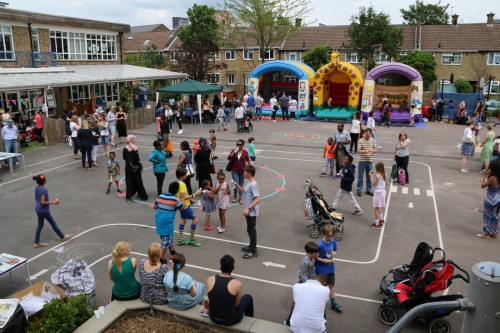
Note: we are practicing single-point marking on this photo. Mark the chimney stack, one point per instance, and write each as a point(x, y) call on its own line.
point(454, 19)
point(489, 21)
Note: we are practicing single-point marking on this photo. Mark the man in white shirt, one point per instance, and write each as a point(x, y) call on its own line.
point(309, 301)
point(10, 136)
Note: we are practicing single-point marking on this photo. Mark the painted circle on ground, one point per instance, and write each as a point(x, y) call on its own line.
point(298, 136)
point(280, 188)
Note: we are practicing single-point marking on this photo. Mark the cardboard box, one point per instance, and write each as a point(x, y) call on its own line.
point(36, 289)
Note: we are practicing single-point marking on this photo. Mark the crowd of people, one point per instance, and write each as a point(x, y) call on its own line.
point(163, 277)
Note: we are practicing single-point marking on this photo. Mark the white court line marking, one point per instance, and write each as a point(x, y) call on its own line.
point(247, 278)
point(416, 191)
point(43, 271)
point(404, 190)
point(430, 193)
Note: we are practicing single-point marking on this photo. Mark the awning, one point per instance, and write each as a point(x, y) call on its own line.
point(191, 87)
point(32, 78)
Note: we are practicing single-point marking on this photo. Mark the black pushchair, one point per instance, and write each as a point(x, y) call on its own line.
point(408, 286)
point(316, 209)
point(247, 123)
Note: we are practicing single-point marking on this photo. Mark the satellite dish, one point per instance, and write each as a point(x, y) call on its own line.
point(481, 82)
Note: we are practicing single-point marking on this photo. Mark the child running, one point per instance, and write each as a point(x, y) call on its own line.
point(329, 156)
point(222, 190)
point(324, 262)
point(306, 269)
point(113, 172)
point(251, 148)
point(207, 200)
point(186, 211)
point(379, 180)
point(347, 179)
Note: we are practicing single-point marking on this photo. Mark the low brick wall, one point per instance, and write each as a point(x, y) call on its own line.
point(117, 309)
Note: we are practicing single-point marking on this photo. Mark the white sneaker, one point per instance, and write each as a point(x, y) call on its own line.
point(180, 132)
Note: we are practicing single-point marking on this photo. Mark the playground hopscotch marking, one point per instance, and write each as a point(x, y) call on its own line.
point(430, 193)
point(416, 191)
point(404, 190)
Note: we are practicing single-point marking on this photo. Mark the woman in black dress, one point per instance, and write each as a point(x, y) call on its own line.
point(133, 180)
point(203, 161)
point(86, 138)
point(121, 124)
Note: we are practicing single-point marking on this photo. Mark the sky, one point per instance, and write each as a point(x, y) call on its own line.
point(330, 12)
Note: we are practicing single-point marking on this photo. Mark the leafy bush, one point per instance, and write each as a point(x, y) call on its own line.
point(463, 86)
point(63, 317)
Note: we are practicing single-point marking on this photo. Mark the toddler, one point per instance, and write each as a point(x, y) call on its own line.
point(329, 157)
point(378, 179)
point(113, 171)
point(251, 148)
point(221, 116)
point(222, 190)
point(213, 142)
point(207, 199)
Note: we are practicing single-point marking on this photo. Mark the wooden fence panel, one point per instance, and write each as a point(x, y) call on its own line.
point(54, 131)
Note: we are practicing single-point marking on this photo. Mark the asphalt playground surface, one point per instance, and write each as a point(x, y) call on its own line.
point(440, 206)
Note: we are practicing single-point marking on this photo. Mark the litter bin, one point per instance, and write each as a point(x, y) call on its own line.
point(484, 292)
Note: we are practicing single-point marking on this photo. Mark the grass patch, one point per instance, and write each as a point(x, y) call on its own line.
point(32, 145)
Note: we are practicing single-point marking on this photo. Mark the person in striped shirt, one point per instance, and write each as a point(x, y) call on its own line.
point(366, 149)
point(166, 206)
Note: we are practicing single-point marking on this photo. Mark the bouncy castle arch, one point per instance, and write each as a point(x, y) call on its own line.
point(416, 83)
point(303, 72)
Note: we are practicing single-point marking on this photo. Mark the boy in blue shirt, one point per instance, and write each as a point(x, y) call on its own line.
point(324, 262)
point(166, 205)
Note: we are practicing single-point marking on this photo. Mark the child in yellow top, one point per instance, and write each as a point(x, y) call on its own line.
point(186, 211)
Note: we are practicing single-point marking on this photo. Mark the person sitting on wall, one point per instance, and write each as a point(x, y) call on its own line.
point(404, 106)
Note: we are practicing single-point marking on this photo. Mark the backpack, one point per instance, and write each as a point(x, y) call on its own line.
point(158, 112)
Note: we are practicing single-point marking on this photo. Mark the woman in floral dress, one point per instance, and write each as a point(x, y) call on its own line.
point(151, 274)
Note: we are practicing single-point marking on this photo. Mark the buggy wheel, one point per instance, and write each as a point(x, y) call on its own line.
point(439, 326)
point(314, 234)
point(387, 315)
point(337, 236)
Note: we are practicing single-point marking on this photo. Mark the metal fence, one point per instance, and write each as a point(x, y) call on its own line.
point(26, 59)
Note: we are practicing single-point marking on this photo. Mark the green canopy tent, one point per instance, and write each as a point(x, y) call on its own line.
point(192, 87)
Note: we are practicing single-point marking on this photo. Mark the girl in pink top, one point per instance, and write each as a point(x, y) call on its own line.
point(222, 190)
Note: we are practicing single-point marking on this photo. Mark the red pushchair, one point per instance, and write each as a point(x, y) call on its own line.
point(415, 284)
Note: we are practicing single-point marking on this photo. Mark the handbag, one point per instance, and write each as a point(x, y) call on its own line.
point(229, 166)
point(136, 169)
point(170, 146)
point(394, 171)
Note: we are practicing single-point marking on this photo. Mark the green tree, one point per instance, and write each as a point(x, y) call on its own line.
point(316, 57)
point(267, 22)
point(372, 32)
point(423, 62)
point(200, 41)
point(152, 58)
point(427, 14)
point(463, 86)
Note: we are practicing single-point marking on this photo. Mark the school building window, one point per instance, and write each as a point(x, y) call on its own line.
point(494, 58)
point(214, 56)
point(230, 78)
point(495, 87)
point(230, 55)
point(6, 43)
point(247, 54)
point(351, 57)
point(80, 94)
point(269, 55)
point(80, 46)
point(454, 58)
point(213, 78)
point(107, 92)
point(292, 56)
point(381, 57)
